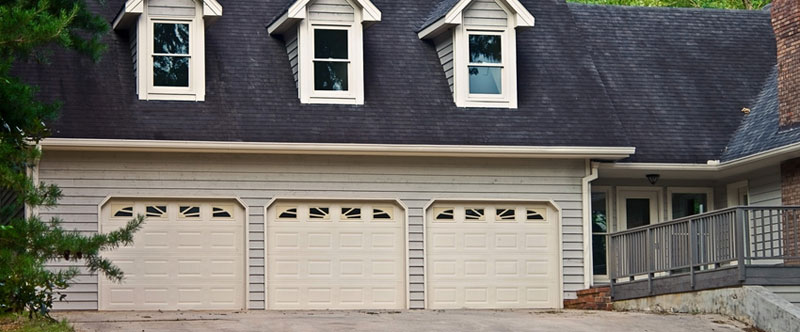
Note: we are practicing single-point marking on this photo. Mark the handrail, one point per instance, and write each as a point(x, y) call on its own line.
point(733, 237)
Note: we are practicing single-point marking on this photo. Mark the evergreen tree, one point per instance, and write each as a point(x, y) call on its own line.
point(28, 29)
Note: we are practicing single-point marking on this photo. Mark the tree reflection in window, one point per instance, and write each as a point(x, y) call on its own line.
point(331, 60)
point(485, 64)
point(171, 54)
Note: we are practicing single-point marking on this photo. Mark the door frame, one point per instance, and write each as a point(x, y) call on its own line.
point(690, 190)
point(733, 192)
point(622, 193)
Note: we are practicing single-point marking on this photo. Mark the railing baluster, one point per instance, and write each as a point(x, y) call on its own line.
point(692, 249)
point(739, 233)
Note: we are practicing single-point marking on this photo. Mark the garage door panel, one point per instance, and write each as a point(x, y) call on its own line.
point(177, 263)
point(492, 263)
point(335, 263)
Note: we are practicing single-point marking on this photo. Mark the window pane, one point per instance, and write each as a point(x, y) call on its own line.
point(599, 216)
point(485, 80)
point(688, 204)
point(171, 38)
point(170, 71)
point(330, 44)
point(484, 49)
point(599, 254)
point(637, 211)
point(330, 76)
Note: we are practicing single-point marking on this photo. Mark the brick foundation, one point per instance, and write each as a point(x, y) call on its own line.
point(596, 298)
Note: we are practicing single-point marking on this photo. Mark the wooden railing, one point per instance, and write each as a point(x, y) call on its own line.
point(733, 238)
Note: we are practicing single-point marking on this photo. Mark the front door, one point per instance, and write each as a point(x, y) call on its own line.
point(637, 208)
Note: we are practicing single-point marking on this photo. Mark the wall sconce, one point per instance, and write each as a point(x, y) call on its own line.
point(653, 178)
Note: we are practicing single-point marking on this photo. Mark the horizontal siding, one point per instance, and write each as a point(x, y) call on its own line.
point(444, 47)
point(291, 51)
point(134, 44)
point(331, 11)
point(765, 187)
point(485, 13)
point(171, 7)
point(87, 178)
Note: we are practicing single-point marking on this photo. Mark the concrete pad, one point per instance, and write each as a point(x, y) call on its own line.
point(398, 321)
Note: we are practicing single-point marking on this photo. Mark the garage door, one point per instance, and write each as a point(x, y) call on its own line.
point(335, 256)
point(492, 256)
point(188, 256)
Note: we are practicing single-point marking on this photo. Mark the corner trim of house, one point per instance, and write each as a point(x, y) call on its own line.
point(484, 151)
point(586, 190)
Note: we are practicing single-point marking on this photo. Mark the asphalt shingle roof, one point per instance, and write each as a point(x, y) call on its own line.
point(438, 12)
point(759, 130)
point(670, 82)
point(251, 94)
point(678, 78)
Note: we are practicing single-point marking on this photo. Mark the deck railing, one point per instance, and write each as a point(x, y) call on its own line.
point(735, 238)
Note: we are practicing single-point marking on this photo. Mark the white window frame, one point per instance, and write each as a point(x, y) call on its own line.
point(461, 62)
point(733, 192)
point(690, 190)
point(623, 193)
point(355, 53)
point(333, 94)
point(196, 89)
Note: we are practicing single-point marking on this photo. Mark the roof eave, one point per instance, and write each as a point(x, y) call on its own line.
point(522, 18)
point(212, 10)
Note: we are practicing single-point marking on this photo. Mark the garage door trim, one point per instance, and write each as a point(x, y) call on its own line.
point(397, 201)
point(236, 199)
point(557, 220)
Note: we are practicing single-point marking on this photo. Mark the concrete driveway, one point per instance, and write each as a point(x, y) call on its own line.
point(412, 321)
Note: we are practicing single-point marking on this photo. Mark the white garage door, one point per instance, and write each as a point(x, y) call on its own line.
point(492, 256)
point(187, 256)
point(335, 256)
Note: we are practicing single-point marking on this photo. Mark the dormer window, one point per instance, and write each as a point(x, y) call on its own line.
point(324, 41)
point(476, 43)
point(167, 46)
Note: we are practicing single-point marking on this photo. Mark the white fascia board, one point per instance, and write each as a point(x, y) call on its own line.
point(434, 29)
point(565, 152)
point(297, 11)
point(212, 10)
point(128, 14)
point(713, 169)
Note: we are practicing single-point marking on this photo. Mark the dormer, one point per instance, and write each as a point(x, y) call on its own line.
point(167, 41)
point(325, 44)
point(477, 45)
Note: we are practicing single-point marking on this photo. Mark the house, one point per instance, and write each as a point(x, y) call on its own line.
point(375, 154)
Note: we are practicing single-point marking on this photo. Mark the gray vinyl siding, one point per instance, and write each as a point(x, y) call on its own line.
point(290, 38)
point(331, 11)
point(444, 47)
point(134, 43)
point(765, 186)
point(86, 178)
point(486, 13)
point(171, 7)
point(790, 293)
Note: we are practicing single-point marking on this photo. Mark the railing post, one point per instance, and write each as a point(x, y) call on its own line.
point(692, 250)
point(650, 261)
point(612, 263)
point(740, 238)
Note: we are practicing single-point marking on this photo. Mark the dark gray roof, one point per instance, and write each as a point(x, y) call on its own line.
point(678, 78)
point(759, 130)
point(670, 82)
point(438, 12)
point(251, 94)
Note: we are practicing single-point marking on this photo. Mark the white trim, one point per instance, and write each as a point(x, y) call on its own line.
point(714, 169)
point(521, 17)
point(586, 191)
point(623, 192)
point(551, 203)
point(690, 190)
point(275, 199)
point(368, 15)
point(211, 11)
point(609, 224)
point(732, 191)
point(105, 200)
point(484, 151)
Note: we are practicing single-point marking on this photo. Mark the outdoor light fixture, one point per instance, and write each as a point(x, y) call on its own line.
point(653, 178)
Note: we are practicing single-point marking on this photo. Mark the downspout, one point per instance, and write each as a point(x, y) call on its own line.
point(586, 187)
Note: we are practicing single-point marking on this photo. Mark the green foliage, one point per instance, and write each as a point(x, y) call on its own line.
point(720, 4)
point(27, 28)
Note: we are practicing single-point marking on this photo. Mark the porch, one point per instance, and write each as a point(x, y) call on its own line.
point(743, 245)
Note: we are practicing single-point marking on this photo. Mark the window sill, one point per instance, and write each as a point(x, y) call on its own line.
point(172, 96)
point(332, 100)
